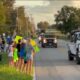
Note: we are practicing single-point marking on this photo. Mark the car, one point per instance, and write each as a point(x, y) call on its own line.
point(49, 40)
point(74, 47)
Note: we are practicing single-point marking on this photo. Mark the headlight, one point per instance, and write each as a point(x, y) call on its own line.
point(55, 40)
point(45, 41)
point(39, 38)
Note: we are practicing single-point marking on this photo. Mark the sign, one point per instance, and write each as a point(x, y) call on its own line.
point(17, 38)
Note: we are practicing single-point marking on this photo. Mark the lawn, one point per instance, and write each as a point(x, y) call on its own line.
point(10, 73)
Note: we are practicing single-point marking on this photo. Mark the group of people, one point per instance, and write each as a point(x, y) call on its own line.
point(21, 55)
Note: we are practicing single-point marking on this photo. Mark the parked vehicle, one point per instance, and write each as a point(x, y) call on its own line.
point(74, 47)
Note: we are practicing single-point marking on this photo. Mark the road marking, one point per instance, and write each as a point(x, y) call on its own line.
point(34, 75)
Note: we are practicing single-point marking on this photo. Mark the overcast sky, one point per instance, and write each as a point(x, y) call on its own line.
point(44, 10)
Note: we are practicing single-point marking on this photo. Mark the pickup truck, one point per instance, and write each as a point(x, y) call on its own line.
point(74, 47)
point(49, 40)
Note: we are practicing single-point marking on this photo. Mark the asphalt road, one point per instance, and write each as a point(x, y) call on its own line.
point(53, 64)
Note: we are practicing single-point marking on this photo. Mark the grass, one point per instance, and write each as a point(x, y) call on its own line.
point(10, 73)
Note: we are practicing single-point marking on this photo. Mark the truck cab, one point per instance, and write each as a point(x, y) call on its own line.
point(74, 47)
point(49, 40)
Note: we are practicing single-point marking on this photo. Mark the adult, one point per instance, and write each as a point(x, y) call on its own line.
point(21, 54)
point(19, 47)
point(29, 56)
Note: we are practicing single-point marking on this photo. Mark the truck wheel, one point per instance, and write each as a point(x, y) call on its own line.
point(77, 59)
point(43, 46)
point(70, 57)
point(56, 46)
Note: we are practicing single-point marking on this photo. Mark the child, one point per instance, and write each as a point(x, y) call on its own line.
point(19, 48)
point(10, 53)
point(22, 52)
point(15, 55)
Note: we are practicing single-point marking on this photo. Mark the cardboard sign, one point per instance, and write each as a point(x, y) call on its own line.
point(36, 49)
point(33, 43)
point(17, 38)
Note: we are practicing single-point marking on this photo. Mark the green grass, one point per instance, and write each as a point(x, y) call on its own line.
point(10, 73)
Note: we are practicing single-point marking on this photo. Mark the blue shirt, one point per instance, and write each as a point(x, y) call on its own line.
point(22, 50)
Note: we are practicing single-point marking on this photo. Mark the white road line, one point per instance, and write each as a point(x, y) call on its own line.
point(34, 75)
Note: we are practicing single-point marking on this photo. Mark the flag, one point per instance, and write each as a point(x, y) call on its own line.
point(33, 43)
point(36, 48)
point(17, 38)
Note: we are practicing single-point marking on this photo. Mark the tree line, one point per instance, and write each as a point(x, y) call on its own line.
point(68, 19)
point(14, 19)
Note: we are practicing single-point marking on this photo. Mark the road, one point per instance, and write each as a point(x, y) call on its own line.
point(53, 64)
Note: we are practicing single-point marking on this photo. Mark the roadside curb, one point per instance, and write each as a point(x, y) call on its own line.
point(34, 77)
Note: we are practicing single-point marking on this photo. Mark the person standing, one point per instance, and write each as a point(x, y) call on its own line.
point(29, 56)
point(22, 53)
point(19, 46)
point(4, 42)
point(0, 48)
point(10, 53)
point(15, 55)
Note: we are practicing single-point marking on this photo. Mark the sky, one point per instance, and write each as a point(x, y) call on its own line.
point(44, 10)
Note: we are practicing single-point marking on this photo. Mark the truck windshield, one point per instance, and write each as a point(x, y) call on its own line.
point(49, 36)
point(78, 36)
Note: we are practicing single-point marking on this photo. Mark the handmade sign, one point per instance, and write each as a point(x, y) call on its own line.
point(17, 38)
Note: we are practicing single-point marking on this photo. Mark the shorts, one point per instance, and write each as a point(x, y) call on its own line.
point(10, 58)
point(16, 59)
point(26, 59)
point(25, 62)
point(18, 54)
point(29, 57)
point(21, 54)
point(10, 54)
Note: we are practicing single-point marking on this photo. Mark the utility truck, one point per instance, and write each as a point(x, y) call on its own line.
point(74, 47)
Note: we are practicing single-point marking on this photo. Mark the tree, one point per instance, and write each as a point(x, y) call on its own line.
point(21, 20)
point(6, 20)
point(14, 19)
point(67, 19)
point(10, 15)
point(43, 25)
point(25, 26)
point(8, 2)
point(2, 17)
point(2, 14)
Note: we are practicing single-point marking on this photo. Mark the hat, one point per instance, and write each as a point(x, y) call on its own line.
point(24, 41)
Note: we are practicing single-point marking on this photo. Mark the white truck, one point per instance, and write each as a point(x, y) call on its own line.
point(74, 47)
